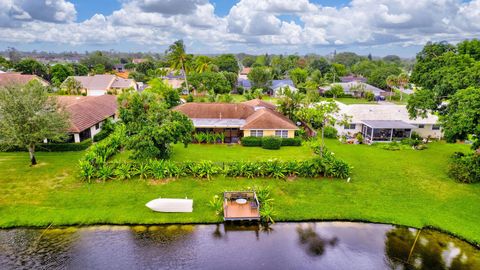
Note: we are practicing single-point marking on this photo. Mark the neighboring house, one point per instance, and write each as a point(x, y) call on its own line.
point(236, 120)
point(119, 67)
point(18, 78)
point(384, 123)
point(244, 83)
point(174, 78)
point(278, 86)
point(87, 114)
point(347, 88)
point(353, 78)
point(244, 73)
point(138, 60)
point(98, 85)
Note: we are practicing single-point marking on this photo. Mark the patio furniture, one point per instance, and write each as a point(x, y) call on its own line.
point(241, 201)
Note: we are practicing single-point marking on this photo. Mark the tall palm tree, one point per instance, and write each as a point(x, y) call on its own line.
point(402, 81)
point(391, 81)
point(203, 63)
point(178, 58)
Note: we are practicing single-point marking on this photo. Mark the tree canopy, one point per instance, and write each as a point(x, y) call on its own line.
point(260, 77)
point(151, 127)
point(29, 115)
point(205, 81)
point(227, 62)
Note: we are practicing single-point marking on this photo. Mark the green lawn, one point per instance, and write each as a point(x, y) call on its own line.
point(349, 101)
point(401, 187)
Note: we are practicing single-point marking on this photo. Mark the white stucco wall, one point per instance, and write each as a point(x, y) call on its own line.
point(96, 92)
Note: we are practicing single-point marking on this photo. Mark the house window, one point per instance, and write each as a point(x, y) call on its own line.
point(97, 126)
point(281, 133)
point(256, 133)
point(435, 127)
point(421, 126)
point(350, 126)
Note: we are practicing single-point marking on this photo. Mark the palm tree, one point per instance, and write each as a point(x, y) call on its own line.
point(178, 58)
point(391, 81)
point(402, 81)
point(203, 63)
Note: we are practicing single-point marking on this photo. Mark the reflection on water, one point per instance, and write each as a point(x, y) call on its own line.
point(335, 245)
point(431, 251)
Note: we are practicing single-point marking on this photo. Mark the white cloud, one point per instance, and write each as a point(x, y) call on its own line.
point(249, 23)
point(14, 12)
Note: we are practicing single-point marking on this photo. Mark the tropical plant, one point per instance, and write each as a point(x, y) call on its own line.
point(216, 203)
point(178, 58)
point(267, 213)
point(105, 172)
point(87, 171)
point(143, 170)
point(123, 171)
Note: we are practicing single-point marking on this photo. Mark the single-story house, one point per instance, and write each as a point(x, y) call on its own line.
point(8, 78)
point(119, 67)
point(137, 61)
point(98, 85)
point(244, 83)
point(278, 86)
point(353, 78)
point(236, 120)
point(244, 73)
point(349, 88)
point(384, 123)
point(87, 114)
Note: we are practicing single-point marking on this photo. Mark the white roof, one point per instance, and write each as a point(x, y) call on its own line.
point(348, 85)
point(362, 112)
point(216, 122)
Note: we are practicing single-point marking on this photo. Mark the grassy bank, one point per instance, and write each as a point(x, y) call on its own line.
point(404, 187)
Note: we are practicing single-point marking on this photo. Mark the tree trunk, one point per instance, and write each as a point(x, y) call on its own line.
point(323, 142)
point(186, 81)
point(31, 151)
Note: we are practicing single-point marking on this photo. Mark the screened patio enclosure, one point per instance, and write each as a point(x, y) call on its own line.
point(386, 130)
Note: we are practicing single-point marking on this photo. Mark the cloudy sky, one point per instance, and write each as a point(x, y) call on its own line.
point(253, 26)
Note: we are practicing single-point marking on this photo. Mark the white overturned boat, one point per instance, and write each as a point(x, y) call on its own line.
point(171, 205)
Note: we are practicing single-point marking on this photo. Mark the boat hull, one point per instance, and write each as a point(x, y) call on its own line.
point(171, 205)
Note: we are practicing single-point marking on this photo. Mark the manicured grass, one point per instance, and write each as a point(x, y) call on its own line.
point(349, 101)
point(401, 187)
point(225, 152)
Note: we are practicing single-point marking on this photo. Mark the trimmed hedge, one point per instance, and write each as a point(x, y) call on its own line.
point(271, 142)
point(291, 142)
point(251, 141)
point(53, 147)
point(257, 141)
point(101, 135)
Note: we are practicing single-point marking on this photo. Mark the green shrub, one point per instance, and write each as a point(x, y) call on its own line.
point(101, 135)
point(330, 132)
point(271, 142)
point(416, 136)
point(291, 142)
point(369, 96)
point(359, 138)
point(53, 147)
point(189, 98)
point(465, 168)
point(251, 141)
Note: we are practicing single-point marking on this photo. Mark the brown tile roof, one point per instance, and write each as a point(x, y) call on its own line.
point(18, 78)
point(96, 82)
point(245, 71)
point(87, 111)
point(254, 119)
point(216, 110)
point(268, 119)
point(259, 103)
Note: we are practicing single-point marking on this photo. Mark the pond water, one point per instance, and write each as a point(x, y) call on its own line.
point(325, 245)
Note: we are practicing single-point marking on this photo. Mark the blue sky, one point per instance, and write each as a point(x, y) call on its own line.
point(379, 27)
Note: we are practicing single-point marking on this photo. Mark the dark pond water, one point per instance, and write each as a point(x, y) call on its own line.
point(333, 245)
